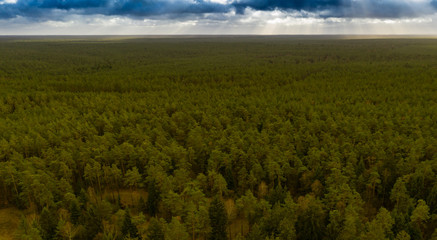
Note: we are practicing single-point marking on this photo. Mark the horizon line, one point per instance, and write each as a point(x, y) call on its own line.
point(214, 35)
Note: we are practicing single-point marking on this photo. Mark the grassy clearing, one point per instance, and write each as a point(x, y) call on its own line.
point(9, 220)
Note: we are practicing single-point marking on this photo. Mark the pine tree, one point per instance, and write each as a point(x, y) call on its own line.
point(255, 233)
point(155, 230)
point(142, 207)
point(310, 224)
point(432, 199)
point(83, 197)
point(219, 221)
point(48, 222)
point(92, 220)
point(402, 235)
point(420, 216)
point(27, 231)
point(74, 212)
point(176, 231)
point(153, 199)
point(128, 228)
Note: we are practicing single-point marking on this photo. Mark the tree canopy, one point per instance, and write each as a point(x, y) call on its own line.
point(219, 137)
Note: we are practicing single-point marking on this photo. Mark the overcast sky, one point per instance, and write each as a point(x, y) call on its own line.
point(114, 17)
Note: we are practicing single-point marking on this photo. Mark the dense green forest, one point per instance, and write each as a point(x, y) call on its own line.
point(219, 138)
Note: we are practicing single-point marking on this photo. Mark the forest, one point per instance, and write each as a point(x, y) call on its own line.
point(218, 138)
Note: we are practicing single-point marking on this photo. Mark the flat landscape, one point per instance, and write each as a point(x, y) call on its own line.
point(219, 137)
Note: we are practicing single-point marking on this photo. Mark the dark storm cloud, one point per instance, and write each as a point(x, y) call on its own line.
point(41, 8)
point(50, 9)
point(45, 8)
point(162, 7)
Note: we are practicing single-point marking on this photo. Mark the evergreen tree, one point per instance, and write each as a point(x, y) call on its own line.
point(218, 219)
point(432, 199)
point(402, 235)
point(399, 196)
point(153, 199)
point(48, 222)
point(142, 207)
point(92, 222)
point(155, 230)
point(83, 198)
point(380, 227)
point(434, 235)
point(27, 231)
point(128, 228)
point(176, 231)
point(74, 212)
point(420, 216)
point(255, 233)
point(311, 218)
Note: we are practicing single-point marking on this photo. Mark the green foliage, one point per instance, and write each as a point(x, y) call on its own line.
point(132, 178)
point(75, 212)
point(301, 137)
point(153, 198)
point(155, 230)
point(420, 216)
point(421, 213)
point(380, 227)
point(402, 235)
point(142, 207)
point(93, 218)
point(28, 231)
point(176, 231)
point(311, 218)
point(400, 197)
point(218, 219)
point(255, 233)
point(432, 199)
point(128, 228)
point(247, 206)
point(48, 222)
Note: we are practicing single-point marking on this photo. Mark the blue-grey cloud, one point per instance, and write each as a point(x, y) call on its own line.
point(162, 7)
point(344, 8)
point(41, 8)
point(49, 9)
point(45, 8)
point(284, 4)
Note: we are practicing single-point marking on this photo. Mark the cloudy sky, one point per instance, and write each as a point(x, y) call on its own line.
point(114, 17)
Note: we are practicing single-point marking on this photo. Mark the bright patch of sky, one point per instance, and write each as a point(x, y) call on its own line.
point(8, 1)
